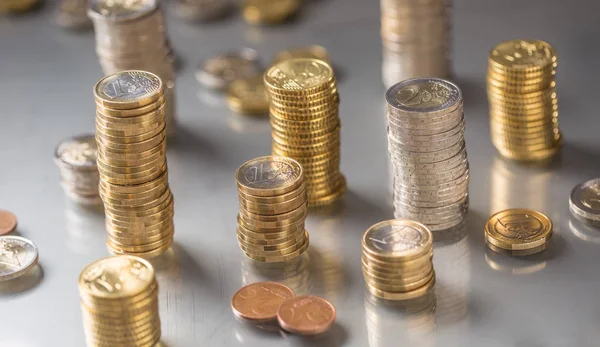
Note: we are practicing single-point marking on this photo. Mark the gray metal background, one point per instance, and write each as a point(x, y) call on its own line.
point(46, 79)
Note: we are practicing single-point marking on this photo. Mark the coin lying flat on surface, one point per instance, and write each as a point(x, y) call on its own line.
point(219, 71)
point(306, 315)
point(259, 302)
point(18, 255)
point(8, 222)
point(584, 202)
point(518, 231)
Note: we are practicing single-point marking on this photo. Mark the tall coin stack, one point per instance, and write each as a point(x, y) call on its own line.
point(427, 149)
point(397, 259)
point(522, 97)
point(130, 132)
point(76, 160)
point(273, 207)
point(131, 35)
point(119, 302)
point(416, 38)
point(304, 109)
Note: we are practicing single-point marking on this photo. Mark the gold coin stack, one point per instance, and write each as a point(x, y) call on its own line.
point(397, 259)
point(130, 133)
point(119, 302)
point(305, 124)
point(132, 35)
point(273, 207)
point(522, 97)
point(17, 6)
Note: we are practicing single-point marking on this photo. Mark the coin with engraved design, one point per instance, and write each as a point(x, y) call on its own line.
point(518, 230)
point(306, 315)
point(219, 71)
point(269, 175)
point(18, 255)
point(259, 302)
point(584, 202)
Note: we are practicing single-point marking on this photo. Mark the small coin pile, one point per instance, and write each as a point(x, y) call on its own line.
point(202, 10)
point(305, 124)
point(131, 35)
point(584, 202)
point(72, 14)
point(273, 207)
point(310, 52)
point(76, 160)
point(18, 256)
point(18, 6)
point(131, 138)
point(397, 259)
point(521, 91)
point(416, 37)
point(119, 302)
point(269, 11)
point(518, 232)
point(427, 150)
point(219, 71)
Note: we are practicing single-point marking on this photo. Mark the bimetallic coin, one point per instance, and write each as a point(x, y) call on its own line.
point(128, 89)
point(518, 229)
point(397, 239)
point(219, 71)
point(585, 201)
point(259, 302)
point(18, 255)
point(424, 95)
point(306, 315)
point(266, 176)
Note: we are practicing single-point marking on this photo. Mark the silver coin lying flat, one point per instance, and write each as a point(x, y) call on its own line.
point(18, 255)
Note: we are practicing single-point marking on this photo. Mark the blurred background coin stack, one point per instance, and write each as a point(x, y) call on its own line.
point(202, 10)
point(397, 259)
point(311, 52)
point(219, 71)
point(119, 303)
point(267, 12)
point(131, 35)
point(72, 15)
point(273, 207)
point(523, 103)
point(305, 124)
point(18, 6)
point(416, 38)
point(427, 149)
point(130, 132)
point(76, 161)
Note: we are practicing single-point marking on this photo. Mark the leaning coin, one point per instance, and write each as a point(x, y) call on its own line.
point(17, 256)
point(259, 302)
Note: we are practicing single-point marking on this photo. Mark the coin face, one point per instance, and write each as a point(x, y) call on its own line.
point(518, 229)
point(423, 95)
point(260, 301)
point(17, 256)
point(117, 277)
point(269, 173)
point(397, 238)
point(306, 315)
point(79, 151)
point(298, 74)
point(519, 54)
point(586, 197)
point(122, 9)
point(128, 88)
point(8, 222)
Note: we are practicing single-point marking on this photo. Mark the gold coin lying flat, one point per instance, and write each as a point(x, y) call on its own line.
point(518, 229)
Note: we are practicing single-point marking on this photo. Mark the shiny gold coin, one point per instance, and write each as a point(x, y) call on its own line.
point(522, 55)
point(248, 96)
point(268, 176)
point(518, 229)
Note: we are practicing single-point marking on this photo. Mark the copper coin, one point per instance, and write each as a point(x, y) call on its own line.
point(8, 222)
point(259, 302)
point(306, 315)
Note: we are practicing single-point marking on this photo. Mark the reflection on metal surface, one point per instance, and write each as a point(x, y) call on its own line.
point(211, 98)
point(399, 323)
point(294, 273)
point(252, 334)
point(334, 337)
point(23, 283)
point(514, 265)
point(85, 228)
point(584, 232)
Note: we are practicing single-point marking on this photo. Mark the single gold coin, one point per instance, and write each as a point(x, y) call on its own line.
point(518, 229)
point(301, 75)
point(248, 96)
point(311, 52)
point(8, 222)
point(128, 89)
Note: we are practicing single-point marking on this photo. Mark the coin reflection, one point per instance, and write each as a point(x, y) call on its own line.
point(294, 273)
point(247, 333)
point(85, 228)
point(23, 283)
point(514, 265)
point(584, 232)
point(242, 124)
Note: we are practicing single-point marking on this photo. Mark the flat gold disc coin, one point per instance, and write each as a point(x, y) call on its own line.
point(518, 229)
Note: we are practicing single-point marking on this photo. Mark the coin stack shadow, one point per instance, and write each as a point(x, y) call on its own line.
point(135, 38)
point(76, 161)
point(305, 124)
point(397, 260)
point(427, 149)
point(123, 315)
point(132, 163)
point(521, 91)
point(271, 218)
point(416, 38)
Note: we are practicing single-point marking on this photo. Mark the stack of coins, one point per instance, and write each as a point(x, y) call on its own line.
point(72, 14)
point(119, 302)
point(304, 108)
point(584, 202)
point(131, 35)
point(202, 10)
point(427, 149)
point(518, 232)
point(416, 39)
point(269, 11)
point(397, 259)
point(130, 132)
point(18, 6)
point(522, 97)
point(76, 160)
point(273, 207)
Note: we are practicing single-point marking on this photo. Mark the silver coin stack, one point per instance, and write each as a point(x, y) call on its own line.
point(131, 35)
point(202, 10)
point(427, 150)
point(584, 202)
point(76, 160)
point(416, 38)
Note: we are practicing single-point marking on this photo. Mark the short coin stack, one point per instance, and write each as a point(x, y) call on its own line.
point(76, 160)
point(130, 132)
point(131, 35)
point(518, 232)
point(427, 149)
point(119, 303)
point(416, 39)
point(273, 207)
point(584, 202)
point(522, 97)
point(397, 259)
point(305, 124)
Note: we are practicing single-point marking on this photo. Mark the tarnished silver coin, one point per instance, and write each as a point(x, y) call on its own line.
point(219, 71)
point(18, 255)
point(584, 201)
point(397, 238)
point(121, 10)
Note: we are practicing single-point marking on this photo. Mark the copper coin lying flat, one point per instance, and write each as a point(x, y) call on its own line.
point(306, 315)
point(8, 222)
point(259, 302)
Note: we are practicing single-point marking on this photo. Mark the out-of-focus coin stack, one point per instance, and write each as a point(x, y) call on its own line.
point(584, 202)
point(76, 160)
point(523, 102)
point(273, 207)
point(131, 35)
point(416, 37)
point(311, 52)
point(119, 302)
point(427, 149)
point(72, 14)
point(269, 11)
point(130, 132)
point(202, 10)
point(397, 259)
point(518, 232)
point(305, 124)
point(248, 96)
point(18, 6)
point(219, 71)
